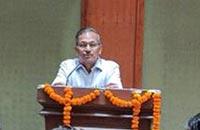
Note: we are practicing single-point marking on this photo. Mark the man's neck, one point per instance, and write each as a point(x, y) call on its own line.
point(88, 67)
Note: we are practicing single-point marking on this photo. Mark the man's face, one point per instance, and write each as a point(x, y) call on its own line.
point(88, 48)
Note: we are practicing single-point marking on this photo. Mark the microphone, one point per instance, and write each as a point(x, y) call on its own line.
point(67, 79)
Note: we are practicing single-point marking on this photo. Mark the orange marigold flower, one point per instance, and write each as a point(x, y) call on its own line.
point(97, 92)
point(68, 108)
point(92, 95)
point(66, 122)
point(67, 117)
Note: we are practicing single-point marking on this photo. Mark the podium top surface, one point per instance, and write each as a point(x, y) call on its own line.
point(99, 102)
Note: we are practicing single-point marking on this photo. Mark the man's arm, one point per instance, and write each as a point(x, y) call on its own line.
point(114, 80)
point(61, 76)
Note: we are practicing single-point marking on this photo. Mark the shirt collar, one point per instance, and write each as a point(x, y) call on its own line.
point(98, 65)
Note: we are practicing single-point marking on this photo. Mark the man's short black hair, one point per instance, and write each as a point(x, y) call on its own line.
point(84, 30)
point(65, 128)
point(194, 123)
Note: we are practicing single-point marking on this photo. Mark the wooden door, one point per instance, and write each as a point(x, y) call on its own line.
point(120, 23)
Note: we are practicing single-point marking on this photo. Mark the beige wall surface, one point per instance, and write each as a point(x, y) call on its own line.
point(172, 57)
point(35, 35)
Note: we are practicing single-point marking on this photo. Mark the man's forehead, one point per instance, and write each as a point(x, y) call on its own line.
point(89, 34)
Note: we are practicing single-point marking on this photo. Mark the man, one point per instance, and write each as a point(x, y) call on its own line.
point(88, 70)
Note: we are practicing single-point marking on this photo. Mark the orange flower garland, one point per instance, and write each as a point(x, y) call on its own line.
point(85, 99)
point(117, 101)
point(138, 99)
point(156, 110)
point(67, 106)
point(52, 94)
point(68, 101)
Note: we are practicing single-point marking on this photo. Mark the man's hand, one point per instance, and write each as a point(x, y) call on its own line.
point(112, 86)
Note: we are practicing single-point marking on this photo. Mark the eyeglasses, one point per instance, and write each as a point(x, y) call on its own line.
point(84, 45)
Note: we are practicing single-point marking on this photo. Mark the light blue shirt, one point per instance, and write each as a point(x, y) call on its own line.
point(103, 73)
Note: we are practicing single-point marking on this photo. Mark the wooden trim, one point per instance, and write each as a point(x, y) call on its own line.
point(84, 6)
point(139, 44)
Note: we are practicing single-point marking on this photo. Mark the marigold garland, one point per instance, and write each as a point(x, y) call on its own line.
point(117, 101)
point(156, 111)
point(138, 98)
point(136, 101)
point(68, 101)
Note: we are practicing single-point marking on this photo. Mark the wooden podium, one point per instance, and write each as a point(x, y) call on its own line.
point(99, 113)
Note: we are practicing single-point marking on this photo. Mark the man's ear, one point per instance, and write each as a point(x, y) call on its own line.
point(76, 49)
